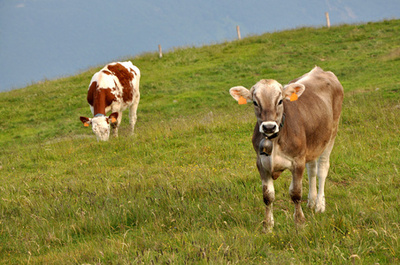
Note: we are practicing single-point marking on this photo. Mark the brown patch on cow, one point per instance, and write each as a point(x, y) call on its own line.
point(276, 174)
point(107, 72)
point(84, 120)
point(99, 98)
point(115, 89)
point(266, 196)
point(102, 98)
point(125, 77)
point(296, 197)
point(91, 92)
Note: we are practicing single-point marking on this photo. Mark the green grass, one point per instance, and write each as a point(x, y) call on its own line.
point(185, 188)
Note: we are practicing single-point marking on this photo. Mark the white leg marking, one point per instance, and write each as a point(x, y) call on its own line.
point(269, 194)
point(312, 181)
point(323, 168)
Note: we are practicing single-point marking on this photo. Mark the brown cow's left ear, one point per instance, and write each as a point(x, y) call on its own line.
point(293, 91)
point(86, 121)
point(113, 117)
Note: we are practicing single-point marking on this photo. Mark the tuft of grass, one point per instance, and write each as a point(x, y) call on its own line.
point(184, 188)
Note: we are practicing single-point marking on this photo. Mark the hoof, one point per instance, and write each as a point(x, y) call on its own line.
point(320, 205)
point(299, 218)
point(311, 203)
point(268, 227)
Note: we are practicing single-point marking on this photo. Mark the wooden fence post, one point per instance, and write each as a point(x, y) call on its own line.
point(328, 23)
point(238, 32)
point(159, 51)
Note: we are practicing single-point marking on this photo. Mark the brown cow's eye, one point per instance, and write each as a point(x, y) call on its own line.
point(280, 102)
point(255, 103)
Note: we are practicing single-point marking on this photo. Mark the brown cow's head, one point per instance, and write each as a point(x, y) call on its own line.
point(100, 124)
point(267, 96)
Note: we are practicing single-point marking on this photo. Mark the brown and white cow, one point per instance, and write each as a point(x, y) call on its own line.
point(296, 128)
point(114, 88)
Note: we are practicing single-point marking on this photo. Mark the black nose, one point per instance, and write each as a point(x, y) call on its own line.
point(269, 128)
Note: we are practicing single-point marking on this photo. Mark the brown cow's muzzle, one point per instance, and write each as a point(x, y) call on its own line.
point(269, 128)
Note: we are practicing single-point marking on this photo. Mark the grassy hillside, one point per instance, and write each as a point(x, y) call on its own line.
point(185, 188)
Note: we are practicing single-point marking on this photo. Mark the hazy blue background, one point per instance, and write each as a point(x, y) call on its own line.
point(47, 39)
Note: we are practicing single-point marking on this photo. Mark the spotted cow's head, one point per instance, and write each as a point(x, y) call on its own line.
point(101, 124)
point(267, 96)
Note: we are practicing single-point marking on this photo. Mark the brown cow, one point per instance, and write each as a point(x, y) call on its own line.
point(294, 134)
point(114, 88)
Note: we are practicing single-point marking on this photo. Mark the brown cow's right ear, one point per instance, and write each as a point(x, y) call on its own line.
point(86, 121)
point(241, 94)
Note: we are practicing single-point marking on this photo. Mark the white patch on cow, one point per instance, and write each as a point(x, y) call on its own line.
point(269, 123)
point(95, 77)
point(101, 128)
point(323, 168)
point(268, 186)
point(128, 65)
point(312, 167)
point(106, 81)
point(269, 183)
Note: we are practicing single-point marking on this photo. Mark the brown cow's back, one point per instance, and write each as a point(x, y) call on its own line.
point(312, 121)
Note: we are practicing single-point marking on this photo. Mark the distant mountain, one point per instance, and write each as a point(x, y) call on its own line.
point(47, 39)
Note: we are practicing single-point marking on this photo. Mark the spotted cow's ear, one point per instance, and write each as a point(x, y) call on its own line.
point(113, 117)
point(293, 91)
point(86, 121)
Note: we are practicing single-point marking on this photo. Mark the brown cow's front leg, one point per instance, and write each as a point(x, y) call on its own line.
point(268, 191)
point(295, 191)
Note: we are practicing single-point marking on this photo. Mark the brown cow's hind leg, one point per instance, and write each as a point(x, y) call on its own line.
point(323, 168)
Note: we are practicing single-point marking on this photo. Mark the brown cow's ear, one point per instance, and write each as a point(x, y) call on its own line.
point(240, 94)
point(86, 121)
point(293, 91)
point(113, 117)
